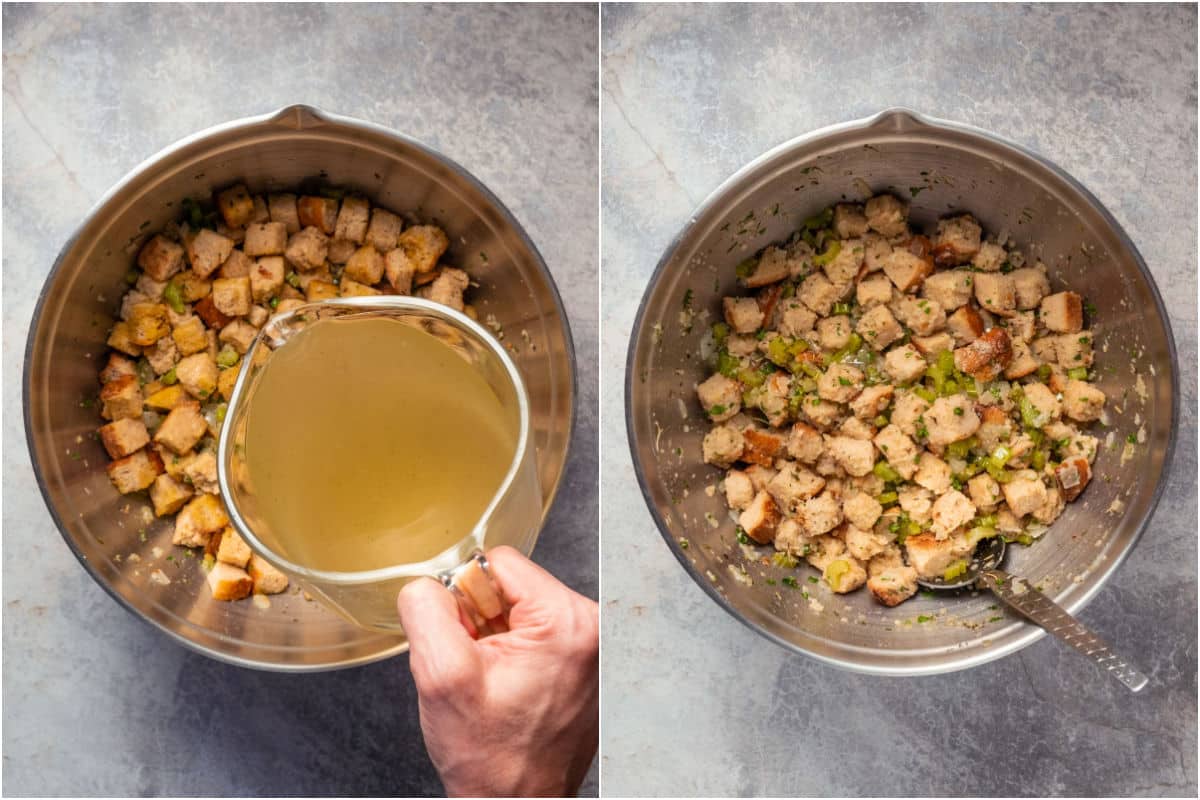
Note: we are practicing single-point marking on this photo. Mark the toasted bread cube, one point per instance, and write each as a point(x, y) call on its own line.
point(762, 447)
point(795, 320)
point(306, 250)
point(228, 582)
point(890, 580)
point(878, 327)
point(742, 314)
point(907, 409)
point(904, 363)
point(259, 314)
point(720, 397)
point(1082, 401)
point(792, 485)
point(425, 244)
point(191, 286)
point(805, 443)
point(261, 212)
point(166, 398)
point(950, 289)
point(1074, 349)
point(319, 212)
point(352, 220)
point(238, 265)
point(148, 323)
point(160, 258)
point(198, 375)
point(448, 288)
point(207, 250)
point(834, 332)
point(996, 293)
point(233, 549)
point(124, 436)
point(861, 510)
point(1031, 285)
point(236, 206)
point(237, 235)
point(282, 208)
point(1073, 476)
point(1024, 494)
point(819, 293)
point(1023, 361)
point(907, 270)
point(950, 512)
point(957, 240)
point(267, 579)
point(820, 514)
point(1062, 312)
point(760, 518)
point(383, 232)
point(266, 278)
point(951, 419)
point(871, 402)
point(135, 471)
point(873, 291)
point(116, 366)
point(887, 216)
point(722, 446)
point(121, 338)
point(984, 491)
point(239, 334)
point(265, 239)
point(121, 398)
point(200, 470)
point(965, 325)
point(986, 357)
point(340, 250)
point(930, 556)
point(226, 381)
point(771, 267)
point(1044, 402)
point(168, 495)
point(152, 289)
point(183, 428)
point(349, 288)
point(848, 574)
point(856, 456)
point(199, 520)
point(289, 304)
point(841, 383)
point(399, 270)
point(990, 258)
point(365, 266)
point(189, 336)
point(898, 450)
point(231, 296)
point(849, 220)
point(131, 299)
point(845, 265)
point(930, 346)
point(320, 290)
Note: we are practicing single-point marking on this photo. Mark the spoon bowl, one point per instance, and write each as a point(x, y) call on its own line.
point(988, 554)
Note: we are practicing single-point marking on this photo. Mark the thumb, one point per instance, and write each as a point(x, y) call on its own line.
point(440, 647)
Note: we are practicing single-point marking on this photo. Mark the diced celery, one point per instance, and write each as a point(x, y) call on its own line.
point(173, 297)
point(955, 571)
point(169, 377)
point(819, 220)
point(887, 498)
point(728, 365)
point(924, 394)
point(720, 333)
point(840, 309)
point(1043, 373)
point(746, 268)
point(829, 254)
point(1077, 373)
point(835, 572)
point(883, 470)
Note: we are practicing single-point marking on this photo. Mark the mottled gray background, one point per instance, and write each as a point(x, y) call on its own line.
point(95, 702)
point(695, 703)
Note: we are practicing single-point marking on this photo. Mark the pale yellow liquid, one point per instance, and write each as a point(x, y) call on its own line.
point(370, 443)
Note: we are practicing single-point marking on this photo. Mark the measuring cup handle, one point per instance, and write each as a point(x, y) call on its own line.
point(478, 594)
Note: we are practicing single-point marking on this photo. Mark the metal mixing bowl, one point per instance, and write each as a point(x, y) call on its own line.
point(292, 147)
point(939, 167)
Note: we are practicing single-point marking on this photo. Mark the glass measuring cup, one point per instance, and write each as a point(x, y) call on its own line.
point(368, 598)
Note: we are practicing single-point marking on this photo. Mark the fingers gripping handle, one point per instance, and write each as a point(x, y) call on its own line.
point(1027, 600)
point(478, 595)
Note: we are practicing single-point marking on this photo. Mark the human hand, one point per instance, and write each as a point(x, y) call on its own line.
point(514, 714)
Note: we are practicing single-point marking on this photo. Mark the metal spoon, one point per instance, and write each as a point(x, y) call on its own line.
point(1021, 596)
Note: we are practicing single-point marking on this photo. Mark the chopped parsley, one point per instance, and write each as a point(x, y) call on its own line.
point(788, 580)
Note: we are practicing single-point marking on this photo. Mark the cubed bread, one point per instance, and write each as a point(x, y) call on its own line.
point(318, 212)
point(1062, 312)
point(183, 428)
point(282, 208)
point(199, 520)
point(957, 240)
point(320, 290)
point(135, 471)
point(166, 398)
point(351, 288)
point(383, 231)
point(116, 366)
point(424, 244)
point(399, 270)
point(365, 266)
point(198, 374)
point(227, 582)
point(233, 549)
point(265, 239)
point(232, 296)
point(121, 398)
point(887, 216)
point(238, 334)
point(236, 206)
point(996, 293)
point(168, 495)
point(207, 250)
point(189, 336)
point(160, 258)
point(1031, 285)
point(121, 338)
point(306, 250)
point(237, 265)
point(352, 220)
point(878, 327)
point(267, 579)
point(148, 323)
point(124, 436)
point(448, 288)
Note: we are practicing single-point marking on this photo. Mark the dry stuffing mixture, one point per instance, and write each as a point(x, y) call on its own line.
point(200, 292)
point(882, 401)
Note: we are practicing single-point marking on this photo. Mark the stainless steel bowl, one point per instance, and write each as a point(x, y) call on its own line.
point(939, 167)
point(278, 151)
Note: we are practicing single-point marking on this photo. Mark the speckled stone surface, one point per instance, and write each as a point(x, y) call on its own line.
point(95, 702)
point(696, 703)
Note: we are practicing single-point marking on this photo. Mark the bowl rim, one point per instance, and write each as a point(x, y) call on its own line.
point(298, 116)
point(951, 661)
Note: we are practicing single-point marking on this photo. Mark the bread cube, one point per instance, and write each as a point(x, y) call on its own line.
point(878, 327)
point(238, 265)
point(1073, 476)
point(861, 510)
point(261, 212)
point(207, 250)
point(722, 446)
point(1062, 312)
point(771, 267)
point(986, 357)
point(168, 495)
point(899, 450)
point(1023, 361)
point(282, 208)
point(887, 216)
point(951, 419)
point(121, 398)
point(760, 518)
point(148, 323)
point(871, 402)
point(320, 290)
point(135, 471)
point(239, 334)
point(1022, 325)
point(166, 398)
point(876, 249)
point(1024, 493)
point(191, 286)
point(198, 374)
point(805, 443)
point(996, 293)
point(1083, 402)
point(950, 289)
point(930, 346)
point(365, 266)
point(121, 338)
point(267, 579)
point(906, 270)
point(965, 325)
point(448, 288)
point(189, 336)
point(116, 366)
point(199, 520)
point(819, 293)
point(840, 383)
point(160, 258)
point(231, 296)
point(904, 363)
point(124, 436)
point(306, 250)
point(383, 232)
point(352, 220)
point(855, 456)
point(834, 332)
point(890, 580)
point(227, 582)
point(739, 490)
point(990, 258)
point(340, 251)
point(399, 270)
point(425, 244)
point(266, 278)
point(1031, 286)
point(226, 381)
point(265, 239)
point(957, 240)
point(849, 220)
point(236, 206)
point(844, 266)
point(233, 549)
point(820, 514)
point(875, 290)
point(349, 288)
point(742, 314)
point(1074, 349)
point(183, 428)
point(319, 212)
point(259, 314)
point(930, 556)
point(922, 315)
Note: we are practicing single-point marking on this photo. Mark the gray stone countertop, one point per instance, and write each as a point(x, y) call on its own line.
point(694, 702)
point(95, 702)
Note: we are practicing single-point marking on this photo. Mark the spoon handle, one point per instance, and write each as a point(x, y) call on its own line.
point(1021, 596)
